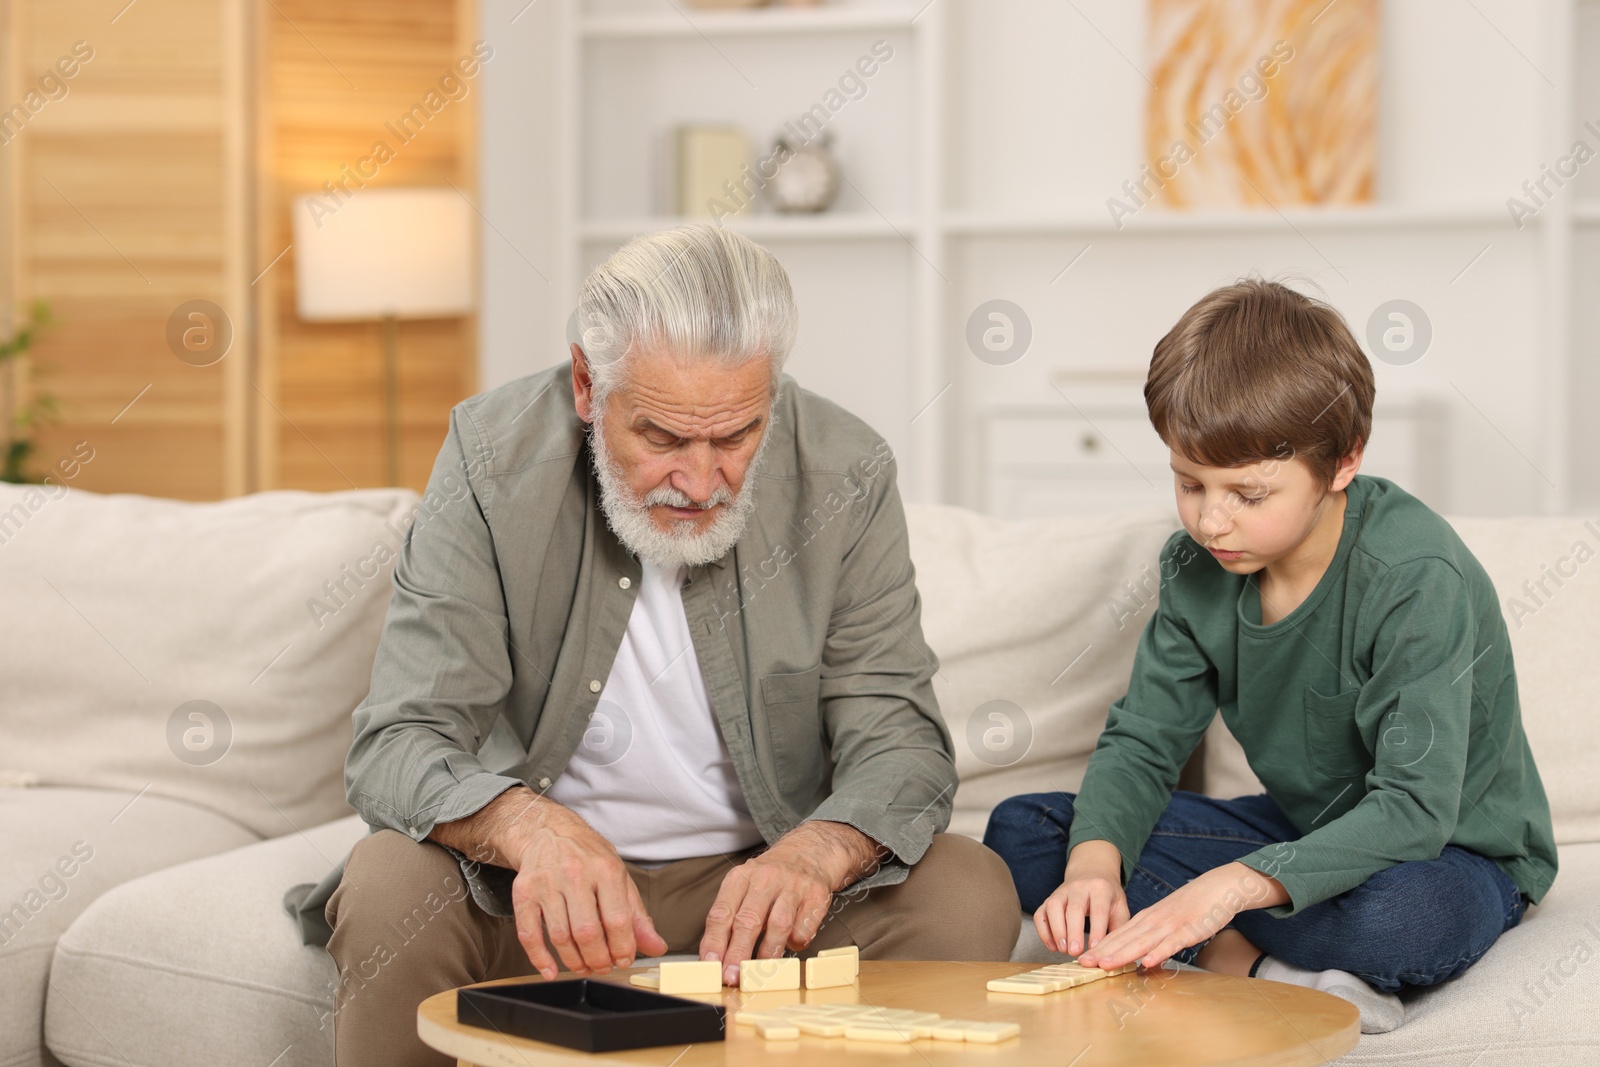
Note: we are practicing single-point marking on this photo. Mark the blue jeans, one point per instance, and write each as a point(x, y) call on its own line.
point(1415, 923)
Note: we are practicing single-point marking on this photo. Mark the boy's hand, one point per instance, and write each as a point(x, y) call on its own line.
point(1092, 889)
point(1189, 915)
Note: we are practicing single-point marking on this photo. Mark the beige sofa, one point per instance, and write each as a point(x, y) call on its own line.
point(166, 944)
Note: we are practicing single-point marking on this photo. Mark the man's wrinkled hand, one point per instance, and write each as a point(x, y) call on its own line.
point(780, 897)
point(571, 882)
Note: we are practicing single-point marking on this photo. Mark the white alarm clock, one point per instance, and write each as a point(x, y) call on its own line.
point(807, 180)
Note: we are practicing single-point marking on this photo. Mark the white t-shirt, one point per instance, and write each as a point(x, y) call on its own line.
point(653, 775)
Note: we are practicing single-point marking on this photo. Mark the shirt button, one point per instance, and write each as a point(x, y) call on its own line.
point(624, 581)
point(544, 783)
point(594, 685)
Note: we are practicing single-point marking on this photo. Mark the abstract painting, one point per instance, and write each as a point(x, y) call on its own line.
point(1261, 102)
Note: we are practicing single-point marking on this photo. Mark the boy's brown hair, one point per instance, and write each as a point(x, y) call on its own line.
point(1256, 371)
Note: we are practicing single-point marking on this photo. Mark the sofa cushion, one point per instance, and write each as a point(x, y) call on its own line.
point(1531, 999)
point(1552, 638)
point(64, 848)
point(1035, 623)
point(209, 652)
point(198, 965)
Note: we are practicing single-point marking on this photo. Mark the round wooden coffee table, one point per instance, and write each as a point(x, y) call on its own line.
point(1178, 1019)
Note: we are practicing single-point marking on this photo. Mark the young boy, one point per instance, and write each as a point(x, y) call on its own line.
point(1356, 650)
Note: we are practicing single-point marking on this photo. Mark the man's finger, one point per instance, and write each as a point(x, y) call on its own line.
point(555, 921)
point(616, 919)
point(748, 922)
point(590, 937)
point(649, 942)
point(719, 920)
point(808, 920)
point(530, 932)
point(780, 921)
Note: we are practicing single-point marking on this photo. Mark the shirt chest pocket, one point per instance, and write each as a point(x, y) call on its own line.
point(1334, 747)
point(794, 725)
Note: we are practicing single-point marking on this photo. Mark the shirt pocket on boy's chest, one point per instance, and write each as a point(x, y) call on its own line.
point(1334, 747)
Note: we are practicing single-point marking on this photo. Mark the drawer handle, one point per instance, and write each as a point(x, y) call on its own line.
point(1090, 442)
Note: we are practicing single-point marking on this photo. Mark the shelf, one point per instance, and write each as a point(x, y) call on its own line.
point(843, 226)
point(1156, 220)
point(754, 22)
point(848, 225)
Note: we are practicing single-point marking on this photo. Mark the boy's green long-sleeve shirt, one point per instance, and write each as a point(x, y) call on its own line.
point(1381, 714)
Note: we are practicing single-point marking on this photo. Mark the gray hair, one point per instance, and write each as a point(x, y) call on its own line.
point(699, 291)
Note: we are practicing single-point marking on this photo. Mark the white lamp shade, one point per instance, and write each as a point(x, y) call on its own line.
point(401, 252)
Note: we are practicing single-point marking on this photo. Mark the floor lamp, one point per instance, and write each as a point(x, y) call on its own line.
point(384, 254)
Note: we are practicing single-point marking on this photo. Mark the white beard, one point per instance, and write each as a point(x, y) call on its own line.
point(629, 516)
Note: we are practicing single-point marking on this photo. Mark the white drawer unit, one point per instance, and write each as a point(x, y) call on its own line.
point(1097, 453)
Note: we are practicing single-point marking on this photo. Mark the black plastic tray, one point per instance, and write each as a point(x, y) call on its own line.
point(591, 1016)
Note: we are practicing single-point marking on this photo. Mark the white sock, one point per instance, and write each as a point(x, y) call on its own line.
point(1380, 1011)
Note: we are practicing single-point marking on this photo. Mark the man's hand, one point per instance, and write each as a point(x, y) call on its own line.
point(1091, 889)
point(781, 895)
point(1189, 915)
point(570, 881)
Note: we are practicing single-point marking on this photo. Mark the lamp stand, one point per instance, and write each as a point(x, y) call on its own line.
point(391, 400)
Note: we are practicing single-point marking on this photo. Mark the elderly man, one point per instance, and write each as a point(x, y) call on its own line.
point(677, 585)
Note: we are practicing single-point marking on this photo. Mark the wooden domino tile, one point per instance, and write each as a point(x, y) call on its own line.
point(688, 976)
point(882, 1032)
point(760, 976)
point(833, 967)
point(868, 1023)
point(978, 1033)
point(691, 976)
point(778, 1030)
point(820, 1025)
point(1054, 978)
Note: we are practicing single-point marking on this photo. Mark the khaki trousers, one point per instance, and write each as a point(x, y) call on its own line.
point(405, 927)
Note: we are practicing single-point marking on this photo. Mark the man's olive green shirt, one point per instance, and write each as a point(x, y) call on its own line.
point(511, 596)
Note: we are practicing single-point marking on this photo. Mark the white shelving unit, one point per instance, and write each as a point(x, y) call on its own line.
point(688, 22)
point(978, 165)
point(839, 227)
point(1154, 220)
